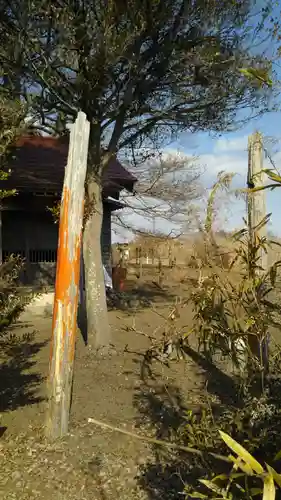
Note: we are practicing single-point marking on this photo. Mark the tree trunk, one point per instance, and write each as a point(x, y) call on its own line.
point(98, 330)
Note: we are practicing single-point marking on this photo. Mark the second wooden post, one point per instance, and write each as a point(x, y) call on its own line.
point(256, 202)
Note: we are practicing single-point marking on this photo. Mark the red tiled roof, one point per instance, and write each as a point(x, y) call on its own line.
point(38, 165)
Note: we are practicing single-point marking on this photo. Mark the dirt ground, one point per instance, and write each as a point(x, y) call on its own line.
point(91, 462)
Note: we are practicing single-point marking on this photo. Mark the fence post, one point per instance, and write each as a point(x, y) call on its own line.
point(147, 257)
point(170, 256)
point(67, 281)
point(160, 272)
point(140, 262)
point(256, 203)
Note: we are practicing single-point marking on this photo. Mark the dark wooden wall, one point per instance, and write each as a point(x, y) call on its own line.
point(34, 235)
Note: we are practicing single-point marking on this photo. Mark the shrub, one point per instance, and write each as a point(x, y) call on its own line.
point(11, 300)
point(12, 125)
point(246, 477)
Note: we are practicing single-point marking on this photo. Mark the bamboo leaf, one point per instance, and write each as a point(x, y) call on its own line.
point(242, 453)
point(277, 456)
point(220, 477)
point(269, 491)
point(274, 242)
point(275, 475)
point(260, 188)
point(240, 464)
point(255, 491)
point(236, 475)
point(238, 234)
point(272, 175)
point(261, 224)
point(258, 74)
point(213, 487)
point(196, 495)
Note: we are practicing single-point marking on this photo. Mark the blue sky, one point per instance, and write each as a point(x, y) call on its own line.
point(227, 152)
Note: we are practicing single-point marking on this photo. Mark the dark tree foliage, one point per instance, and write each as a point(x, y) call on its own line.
point(136, 68)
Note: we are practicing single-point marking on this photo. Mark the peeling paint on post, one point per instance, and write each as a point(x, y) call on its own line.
point(67, 281)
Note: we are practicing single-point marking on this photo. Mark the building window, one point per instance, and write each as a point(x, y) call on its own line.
point(42, 256)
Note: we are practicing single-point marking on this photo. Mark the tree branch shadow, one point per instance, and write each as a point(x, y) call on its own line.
point(161, 408)
point(168, 474)
point(218, 383)
point(18, 382)
point(140, 298)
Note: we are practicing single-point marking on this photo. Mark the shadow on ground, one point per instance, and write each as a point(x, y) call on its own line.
point(82, 320)
point(140, 298)
point(130, 301)
point(161, 408)
point(218, 383)
point(18, 382)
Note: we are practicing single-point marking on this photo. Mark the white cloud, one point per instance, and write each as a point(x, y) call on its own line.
point(176, 153)
point(233, 162)
point(238, 144)
point(228, 156)
point(214, 164)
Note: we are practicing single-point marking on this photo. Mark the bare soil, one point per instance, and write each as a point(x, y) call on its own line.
point(91, 462)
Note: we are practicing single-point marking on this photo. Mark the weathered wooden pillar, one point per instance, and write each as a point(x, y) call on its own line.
point(256, 202)
point(67, 281)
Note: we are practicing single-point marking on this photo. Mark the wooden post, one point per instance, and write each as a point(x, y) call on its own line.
point(152, 256)
point(140, 262)
point(256, 203)
point(170, 256)
point(160, 272)
point(67, 281)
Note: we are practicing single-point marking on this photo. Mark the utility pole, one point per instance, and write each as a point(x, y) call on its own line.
point(67, 281)
point(256, 203)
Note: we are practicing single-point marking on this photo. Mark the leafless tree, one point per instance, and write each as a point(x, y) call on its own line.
point(168, 191)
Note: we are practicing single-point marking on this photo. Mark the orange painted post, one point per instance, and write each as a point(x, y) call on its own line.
point(67, 281)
